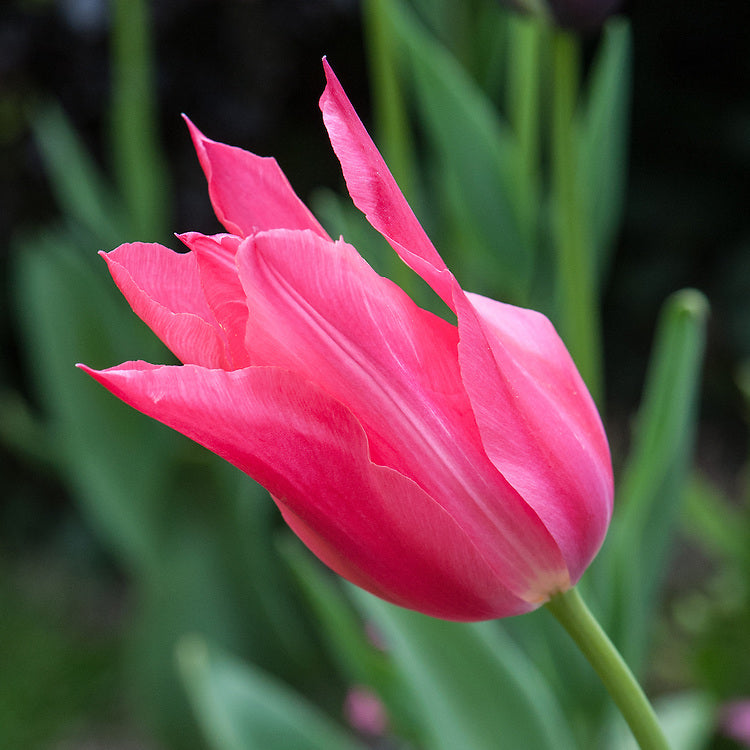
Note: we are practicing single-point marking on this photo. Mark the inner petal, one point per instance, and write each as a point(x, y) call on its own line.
point(222, 289)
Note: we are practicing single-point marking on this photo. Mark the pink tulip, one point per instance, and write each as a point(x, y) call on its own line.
point(458, 470)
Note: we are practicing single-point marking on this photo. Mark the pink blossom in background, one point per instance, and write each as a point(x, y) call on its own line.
point(365, 712)
point(458, 470)
point(735, 720)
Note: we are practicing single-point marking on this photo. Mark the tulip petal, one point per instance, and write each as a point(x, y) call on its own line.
point(368, 522)
point(317, 308)
point(249, 193)
point(547, 459)
point(375, 192)
point(222, 289)
point(522, 383)
point(164, 290)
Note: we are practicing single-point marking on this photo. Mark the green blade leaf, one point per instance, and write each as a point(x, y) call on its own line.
point(470, 685)
point(96, 439)
point(240, 708)
point(357, 658)
point(81, 190)
point(353, 650)
point(603, 141)
point(478, 161)
point(653, 484)
point(715, 523)
point(139, 162)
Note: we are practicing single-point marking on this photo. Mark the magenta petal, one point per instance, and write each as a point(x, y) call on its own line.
point(248, 192)
point(164, 290)
point(316, 307)
point(522, 383)
point(375, 192)
point(368, 522)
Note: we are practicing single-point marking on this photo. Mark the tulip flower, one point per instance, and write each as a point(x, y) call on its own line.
point(458, 470)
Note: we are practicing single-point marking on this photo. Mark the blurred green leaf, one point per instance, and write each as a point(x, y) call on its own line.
point(474, 33)
point(22, 432)
point(240, 708)
point(582, 697)
point(68, 314)
point(487, 44)
point(81, 190)
point(356, 656)
point(359, 659)
point(199, 588)
point(283, 639)
point(603, 141)
point(477, 161)
point(138, 159)
point(715, 523)
point(578, 307)
point(526, 40)
point(470, 685)
point(653, 483)
point(53, 674)
point(444, 18)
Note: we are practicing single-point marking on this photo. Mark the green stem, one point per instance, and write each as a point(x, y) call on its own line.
point(573, 614)
point(575, 272)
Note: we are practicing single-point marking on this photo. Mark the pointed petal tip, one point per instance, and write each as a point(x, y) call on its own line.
point(90, 371)
point(199, 142)
point(191, 125)
point(195, 134)
point(331, 82)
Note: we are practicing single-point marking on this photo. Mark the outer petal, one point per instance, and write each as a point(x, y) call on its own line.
point(523, 383)
point(558, 460)
point(375, 192)
point(368, 522)
point(316, 307)
point(222, 289)
point(164, 290)
point(248, 192)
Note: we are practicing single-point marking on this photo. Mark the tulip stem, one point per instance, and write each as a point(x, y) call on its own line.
point(573, 614)
point(575, 268)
